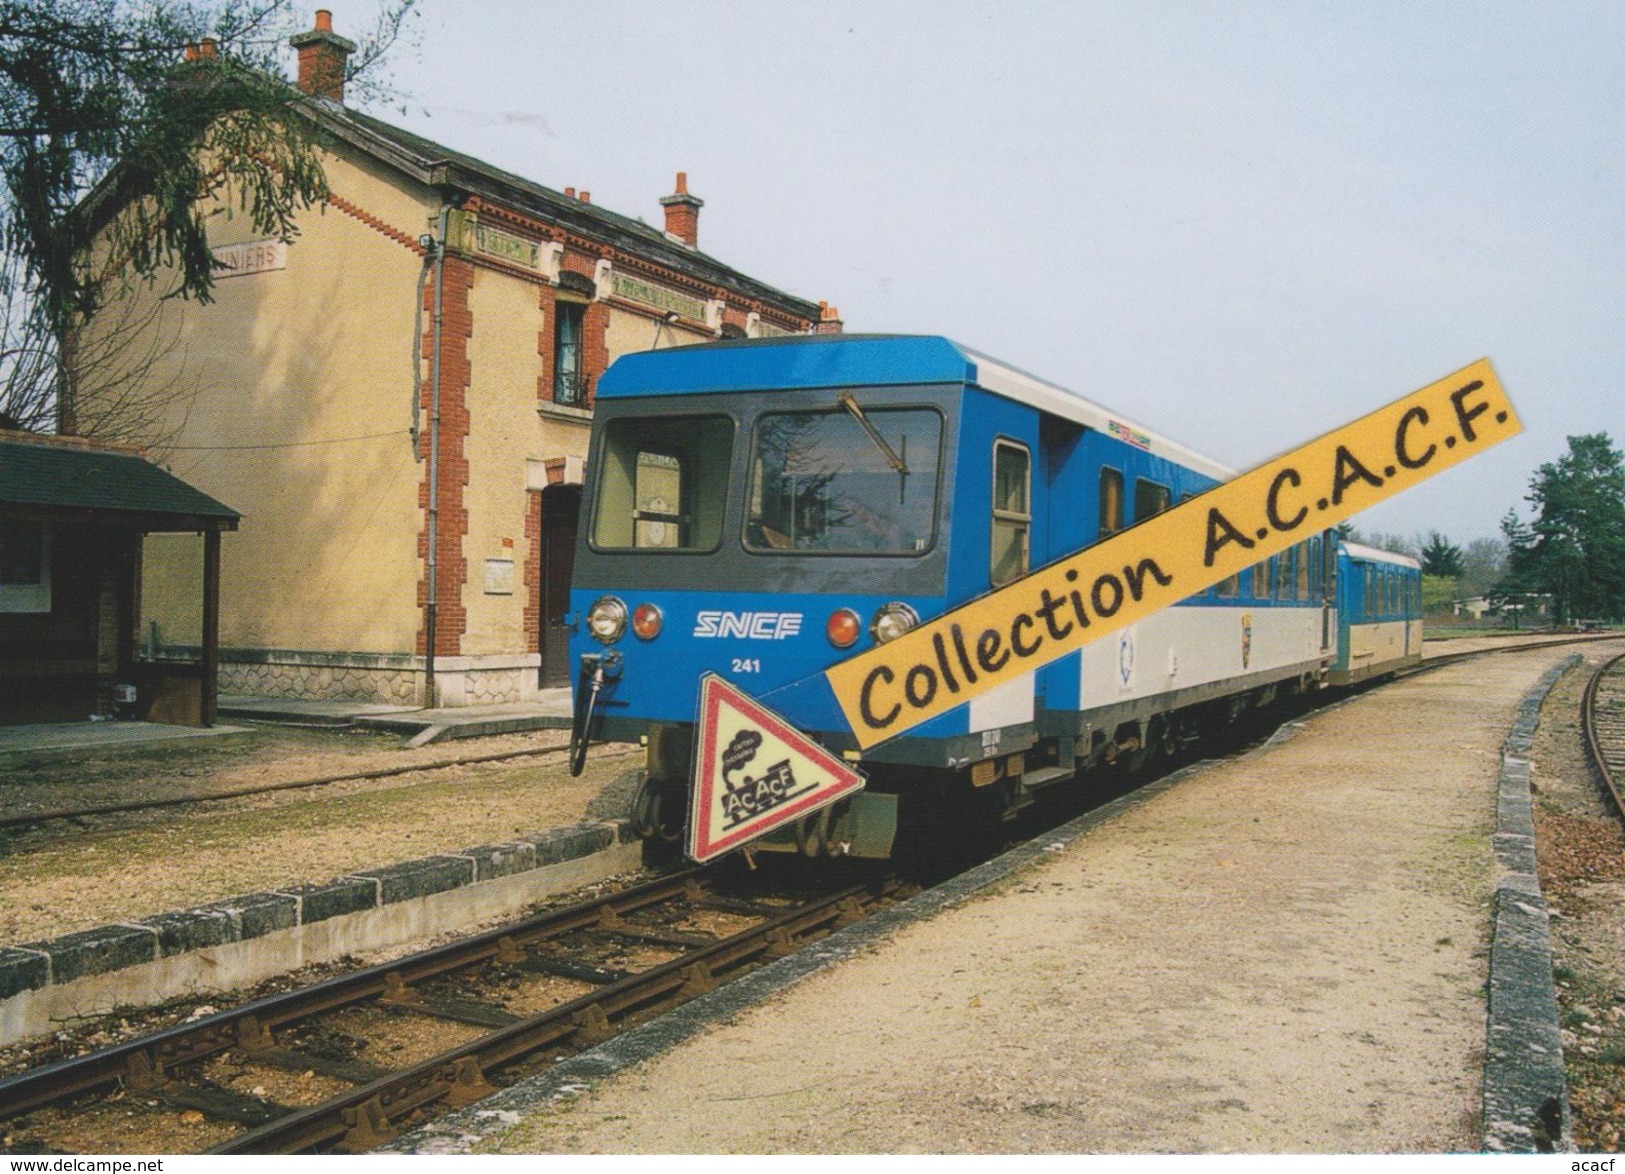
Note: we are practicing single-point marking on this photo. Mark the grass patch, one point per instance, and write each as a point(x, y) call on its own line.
point(242, 845)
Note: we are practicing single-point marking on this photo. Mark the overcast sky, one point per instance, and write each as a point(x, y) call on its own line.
point(1242, 225)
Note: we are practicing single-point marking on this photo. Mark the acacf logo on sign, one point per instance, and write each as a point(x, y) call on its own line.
point(1057, 609)
point(754, 772)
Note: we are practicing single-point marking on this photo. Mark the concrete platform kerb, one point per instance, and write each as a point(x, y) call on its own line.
point(1526, 1102)
point(246, 938)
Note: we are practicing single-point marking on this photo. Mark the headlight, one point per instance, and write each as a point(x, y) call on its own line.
point(647, 621)
point(891, 621)
point(606, 619)
point(844, 627)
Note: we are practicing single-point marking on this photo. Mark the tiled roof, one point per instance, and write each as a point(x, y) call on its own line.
point(437, 165)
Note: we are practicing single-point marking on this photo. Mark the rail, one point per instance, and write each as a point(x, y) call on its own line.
point(165, 1067)
point(1602, 716)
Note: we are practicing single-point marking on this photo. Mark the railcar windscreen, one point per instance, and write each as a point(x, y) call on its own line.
point(822, 484)
point(664, 483)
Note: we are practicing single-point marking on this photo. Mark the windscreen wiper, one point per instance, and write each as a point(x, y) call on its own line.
point(886, 450)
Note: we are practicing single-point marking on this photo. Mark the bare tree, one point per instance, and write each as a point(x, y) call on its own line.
point(121, 125)
point(122, 387)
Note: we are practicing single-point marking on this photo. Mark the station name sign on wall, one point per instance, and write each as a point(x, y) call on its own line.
point(1057, 609)
point(240, 260)
point(637, 290)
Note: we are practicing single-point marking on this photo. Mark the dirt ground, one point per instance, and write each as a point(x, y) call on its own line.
point(1282, 954)
point(72, 875)
point(1580, 844)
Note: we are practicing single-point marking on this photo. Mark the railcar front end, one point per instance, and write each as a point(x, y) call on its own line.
point(740, 522)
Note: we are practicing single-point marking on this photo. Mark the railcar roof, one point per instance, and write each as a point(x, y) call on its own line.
point(1370, 554)
point(870, 360)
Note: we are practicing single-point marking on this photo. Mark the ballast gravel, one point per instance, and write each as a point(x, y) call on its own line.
point(1286, 953)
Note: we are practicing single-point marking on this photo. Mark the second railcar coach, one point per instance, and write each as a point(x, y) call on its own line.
point(1379, 613)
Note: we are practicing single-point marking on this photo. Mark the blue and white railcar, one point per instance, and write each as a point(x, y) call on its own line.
point(1379, 613)
point(762, 509)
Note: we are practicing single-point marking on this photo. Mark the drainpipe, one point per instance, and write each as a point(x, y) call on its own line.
point(431, 615)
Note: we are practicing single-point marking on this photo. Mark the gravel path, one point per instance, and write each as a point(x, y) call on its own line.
point(1282, 954)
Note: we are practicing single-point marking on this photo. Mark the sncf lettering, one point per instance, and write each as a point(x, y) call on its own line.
point(747, 625)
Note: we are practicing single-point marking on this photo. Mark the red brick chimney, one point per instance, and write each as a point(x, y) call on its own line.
point(829, 320)
point(322, 54)
point(683, 213)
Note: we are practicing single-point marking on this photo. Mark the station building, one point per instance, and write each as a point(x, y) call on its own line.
point(398, 401)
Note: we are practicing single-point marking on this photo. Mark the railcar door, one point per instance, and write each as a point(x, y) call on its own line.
point(1328, 591)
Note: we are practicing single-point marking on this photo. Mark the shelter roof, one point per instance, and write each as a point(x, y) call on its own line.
point(64, 477)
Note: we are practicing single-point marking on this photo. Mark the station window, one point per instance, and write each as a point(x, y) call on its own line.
point(1150, 498)
point(25, 566)
point(663, 483)
point(1111, 502)
point(569, 381)
point(1012, 511)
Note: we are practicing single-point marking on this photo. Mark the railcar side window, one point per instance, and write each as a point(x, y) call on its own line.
point(1111, 502)
point(1284, 581)
point(1012, 511)
point(664, 483)
point(823, 483)
point(1149, 498)
point(1261, 579)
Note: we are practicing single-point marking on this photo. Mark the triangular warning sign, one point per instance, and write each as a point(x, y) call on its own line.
point(754, 772)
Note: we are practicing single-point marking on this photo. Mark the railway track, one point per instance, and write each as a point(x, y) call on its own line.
point(307, 1071)
point(13, 823)
point(19, 823)
point(1602, 709)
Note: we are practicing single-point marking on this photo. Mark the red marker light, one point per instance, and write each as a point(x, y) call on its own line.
point(647, 621)
point(844, 627)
